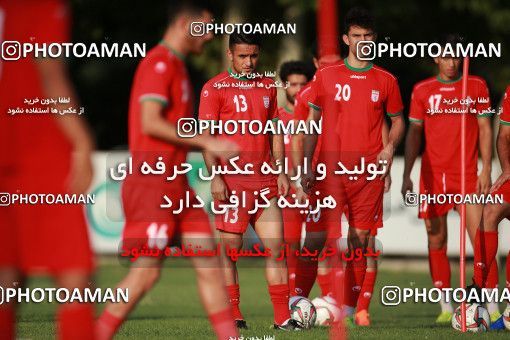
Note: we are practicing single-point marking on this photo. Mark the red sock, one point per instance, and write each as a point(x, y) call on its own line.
point(360, 268)
point(349, 282)
point(291, 270)
point(508, 271)
point(234, 296)
point(76, 321)
point(366, 290)
point(486, 246)
point(107, 325)
point(324, 281)
point(439, 268)
point(7, 322)
point(223, 324)
point(492, 277)
point(306, 272)
point(280, 299)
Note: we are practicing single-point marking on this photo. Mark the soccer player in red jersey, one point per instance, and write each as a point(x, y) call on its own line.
point(161, 95)
point(486, 240)
point(352, 98)
point(430, 117)
point(297, 74)
point(42, 154)
point(233, 96)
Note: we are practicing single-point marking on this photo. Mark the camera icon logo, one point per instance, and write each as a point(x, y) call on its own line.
point(390, 295)
point(187, 127)
point(366, 50)
point(5, 199)
point(197, 29)
point(411, 199)
point(11, 50)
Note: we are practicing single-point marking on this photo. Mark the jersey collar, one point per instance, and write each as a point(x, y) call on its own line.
point(173, 51)
point(448, 81)
point(286, 108)
point(358, 69)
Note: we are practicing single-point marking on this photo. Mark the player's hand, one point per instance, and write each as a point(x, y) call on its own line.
point(308, 181)
point(387, 183)
point(81, 172)
point(219, 190)
point(386, 158)
point(283, 184)
point(505, 176)
point(223, 149)
point(301, 196)
point(483, 184)
point(407, 186)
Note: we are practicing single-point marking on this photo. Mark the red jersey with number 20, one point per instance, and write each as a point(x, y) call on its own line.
point(228, 97)
point(353, 103)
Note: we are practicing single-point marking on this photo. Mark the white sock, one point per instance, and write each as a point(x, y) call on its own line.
point(492, 306)
point(445, 306)
point(348, 310)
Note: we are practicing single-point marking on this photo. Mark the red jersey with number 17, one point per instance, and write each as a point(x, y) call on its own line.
point(162, 77)
point(353, 103)
point(436, 103)
point(230, 97)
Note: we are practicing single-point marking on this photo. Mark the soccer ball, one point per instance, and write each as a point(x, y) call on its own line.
point(506, 318)
point(477, 318)
point(303, 311)
point(327, 311)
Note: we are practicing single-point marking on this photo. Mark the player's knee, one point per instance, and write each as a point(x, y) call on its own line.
point(491, 216)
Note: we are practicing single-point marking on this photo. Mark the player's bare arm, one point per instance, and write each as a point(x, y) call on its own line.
point(483, 183)
point(503, 147)
point(412, 150)
point(56, 83)
point(309, 143)
point(395, 136)
point(278, 152)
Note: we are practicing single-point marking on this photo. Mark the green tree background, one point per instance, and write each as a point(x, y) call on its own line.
point(104, 84)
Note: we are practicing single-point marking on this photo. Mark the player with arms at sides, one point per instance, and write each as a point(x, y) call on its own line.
point(486, 240)
point(43, 153)
point(430, 118)
point(161, 95)
point(246, 100)
point(297, 74)
point(352, 98)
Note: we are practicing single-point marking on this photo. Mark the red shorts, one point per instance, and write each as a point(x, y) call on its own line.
point(9, 255)
point(48, 238)
point(504, 191)
point(364, 200)
point(149, 225)
point(236, 220)
point(326, 219)
point(292, 222)
point(436, 183)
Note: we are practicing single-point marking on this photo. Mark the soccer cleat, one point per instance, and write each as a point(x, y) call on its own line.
point(445, 318)
point(495, 316)
point(289, 325)
point(498, 324)
point(241, 324)
point(362, 318)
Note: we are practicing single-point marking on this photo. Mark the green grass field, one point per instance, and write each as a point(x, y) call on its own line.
point(172, 310)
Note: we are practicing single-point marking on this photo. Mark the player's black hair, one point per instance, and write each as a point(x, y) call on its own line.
point(295, 67)
point(242, 38)
point(189, 7)
point(358, 16)
point(450, 38)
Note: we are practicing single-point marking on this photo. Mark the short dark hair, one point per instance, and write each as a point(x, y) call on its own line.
point(243, 38)
point(189, 7)
point(359, 16)
point(295, 67)
point(450, 38)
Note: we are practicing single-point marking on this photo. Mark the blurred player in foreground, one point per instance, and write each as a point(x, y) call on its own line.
point(352, 98)
point(486, 240)
point(161, 95)
point(247, 100)
point(441, 162)
point(44, 153)
point(297, 74)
